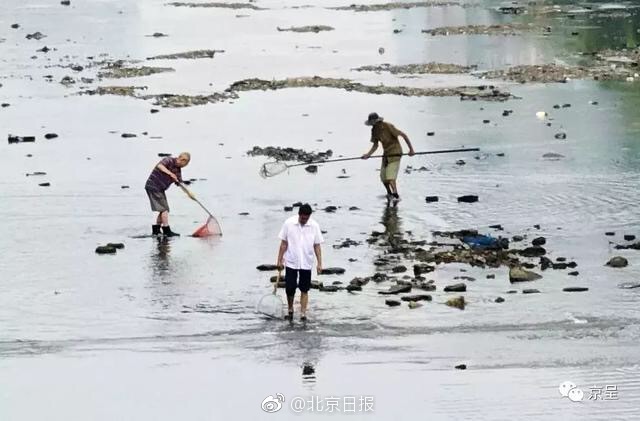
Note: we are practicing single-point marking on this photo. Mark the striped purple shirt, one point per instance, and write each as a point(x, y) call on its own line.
point(159, 181)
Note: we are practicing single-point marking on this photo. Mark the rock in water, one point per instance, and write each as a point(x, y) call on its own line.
point(392, 303)
point(517, 274)
point(118, 246)
point(617, 262)
point(499, 300)
point(461, 367)
point(469, 198)
point(431, 199)
point(396, 289)
point(575, 289)
point(419, 297)
point(105, 250)
point(457, 302)
point(266, 267)
point(461, 287)
point(332, 271)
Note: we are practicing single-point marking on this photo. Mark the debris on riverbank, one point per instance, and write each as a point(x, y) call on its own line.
point(425, 68)
point(498, 29)
point(311, 28)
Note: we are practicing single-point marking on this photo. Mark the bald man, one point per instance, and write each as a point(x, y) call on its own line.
point(165, 173)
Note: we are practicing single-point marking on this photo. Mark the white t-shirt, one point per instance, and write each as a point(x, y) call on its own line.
point(300, 241)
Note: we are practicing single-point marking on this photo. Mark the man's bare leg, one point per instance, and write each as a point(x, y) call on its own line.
point(304, 301)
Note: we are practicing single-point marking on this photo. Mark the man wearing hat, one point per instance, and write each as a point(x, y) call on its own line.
point(387, 134)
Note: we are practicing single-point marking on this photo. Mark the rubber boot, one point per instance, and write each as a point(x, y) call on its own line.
point(168, 233)
point(155, 229)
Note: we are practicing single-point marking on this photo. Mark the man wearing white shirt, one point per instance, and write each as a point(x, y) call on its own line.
point(300, 239)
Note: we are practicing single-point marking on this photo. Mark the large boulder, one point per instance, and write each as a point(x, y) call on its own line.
point(517, 274)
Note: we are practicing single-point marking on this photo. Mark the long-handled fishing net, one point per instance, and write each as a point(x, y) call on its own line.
point(274, 168)
point(271, 305)
point(212, 226)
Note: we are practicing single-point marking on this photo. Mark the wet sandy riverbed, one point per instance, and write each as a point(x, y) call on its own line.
point(168, 330)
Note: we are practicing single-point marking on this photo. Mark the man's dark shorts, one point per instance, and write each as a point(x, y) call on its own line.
point(297, 278)
point(158, 201)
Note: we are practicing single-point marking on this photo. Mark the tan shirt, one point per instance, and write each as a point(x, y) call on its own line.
point(387, 135)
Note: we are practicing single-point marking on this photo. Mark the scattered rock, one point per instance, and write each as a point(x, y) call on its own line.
point(36, 173)
point(575, 289)
point(539, 241)
point(461, 367)
point(629, 237)
point(128, 135)
point(517, 274)
point(460, 162)
point(21, 139)
point(118, 246)
point(396, 289)
point(288, 208)
point(65, 2)
point(499, 300)
point(36, 35)
point(610, 233)
point(158, 35)
point(44, 184)
point(491, 276)
point(329, 288)
point(560, 135)
point(517, 238)
point(617, 262)
point(457, 302)
point(399, 269)
point(105, 250)
point(530, 291)
point(332, 271)
point(553, 156)
point(419, 297)
point(124, 187)
point(311, 169)
point(50, 136)
point(431, 199)
point(392, 303)
point(461, 287)
point(468, 198)
point(419, 269)
point(534, 251)
point(265, 268)
point(431, 133)
point(352, 288)
point(15, 26)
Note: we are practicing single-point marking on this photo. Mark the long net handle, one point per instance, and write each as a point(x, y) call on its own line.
point(184, 189)
point(275, 285)
point(386, 156)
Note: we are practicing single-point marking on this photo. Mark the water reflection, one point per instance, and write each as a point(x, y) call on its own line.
point(393, 226)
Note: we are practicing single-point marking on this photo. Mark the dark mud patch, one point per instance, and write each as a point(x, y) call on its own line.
point(217, 5)
point(311, 28)
point(396, 5)
point(190, 55)
point(424, 68)
point(500, 29)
